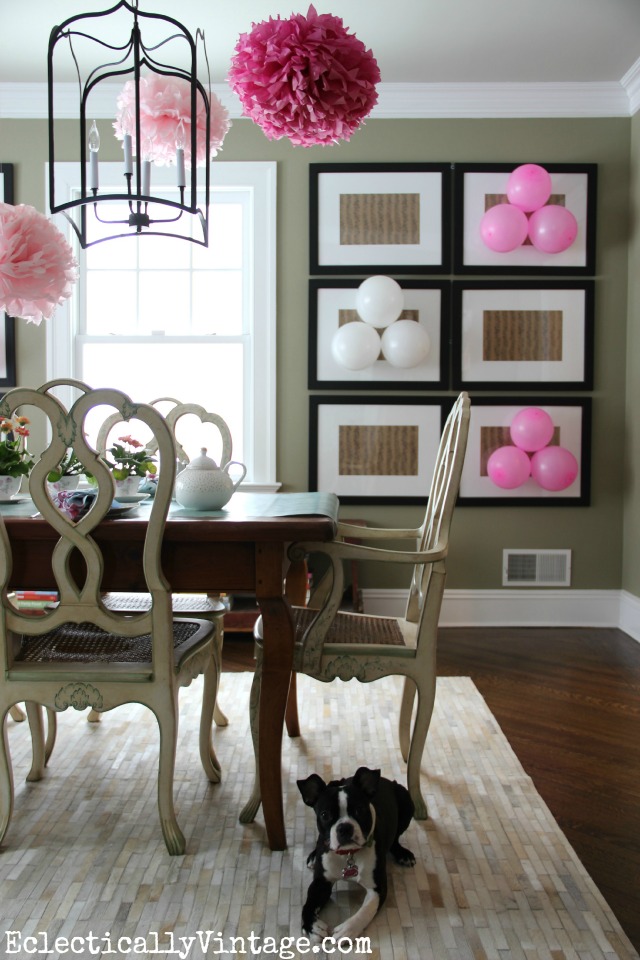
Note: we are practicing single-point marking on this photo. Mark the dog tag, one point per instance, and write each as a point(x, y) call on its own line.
point(350, 869)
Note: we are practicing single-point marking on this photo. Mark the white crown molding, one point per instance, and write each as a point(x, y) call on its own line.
point(631, 83)
point(29, 101)
point(522, 608)
point(485, 100)
point(397, 101)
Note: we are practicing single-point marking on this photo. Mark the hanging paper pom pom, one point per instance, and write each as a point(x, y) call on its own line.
point(37, 266)
point(305, 78)
point(164, 103)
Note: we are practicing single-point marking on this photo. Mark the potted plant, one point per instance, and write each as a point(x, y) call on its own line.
point(67, 474)
point(15, 460)
point(129, 463)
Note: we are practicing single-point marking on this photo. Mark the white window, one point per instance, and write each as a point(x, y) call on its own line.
point(159, 316)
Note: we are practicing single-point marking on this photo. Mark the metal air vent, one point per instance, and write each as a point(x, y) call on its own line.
point(539, 568)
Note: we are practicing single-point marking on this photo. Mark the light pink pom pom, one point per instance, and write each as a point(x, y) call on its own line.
point(164, 102)
point(305, 78)
point(37, 266)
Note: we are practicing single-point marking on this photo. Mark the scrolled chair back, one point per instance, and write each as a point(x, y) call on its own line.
point(80, 595)
point(443, 493)
point(173, 416)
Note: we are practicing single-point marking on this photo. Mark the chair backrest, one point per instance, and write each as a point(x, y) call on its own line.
point(172, 417)
point(182, 410)
point(445, 484)
point(78, 563)
point(427, 582)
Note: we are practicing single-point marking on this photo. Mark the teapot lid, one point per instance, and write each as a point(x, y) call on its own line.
point(203, 462)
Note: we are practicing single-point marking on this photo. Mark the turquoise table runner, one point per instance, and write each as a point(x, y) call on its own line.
point(240, 505)
point(270, 505)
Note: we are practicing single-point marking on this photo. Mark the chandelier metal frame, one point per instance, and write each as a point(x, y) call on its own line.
point(148, 214)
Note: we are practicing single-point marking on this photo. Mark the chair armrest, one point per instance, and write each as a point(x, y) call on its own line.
point(337, 550)
point(377, 533)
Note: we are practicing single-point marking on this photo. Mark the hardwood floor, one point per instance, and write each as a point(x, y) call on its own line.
point(569, 703)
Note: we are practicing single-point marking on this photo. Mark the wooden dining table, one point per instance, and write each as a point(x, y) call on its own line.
point(242, 548)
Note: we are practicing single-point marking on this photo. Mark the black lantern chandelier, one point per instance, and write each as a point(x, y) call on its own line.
point(152, 88)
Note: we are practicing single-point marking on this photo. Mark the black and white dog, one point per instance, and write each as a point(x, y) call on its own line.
point(360, 820)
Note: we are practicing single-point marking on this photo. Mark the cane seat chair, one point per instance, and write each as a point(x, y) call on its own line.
point(16, 713)
point(330, 643)
point(184, 604)
point(79, 653)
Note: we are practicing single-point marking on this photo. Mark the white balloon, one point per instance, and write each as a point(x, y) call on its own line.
point(355, 346)
point(379, 301)
point(405, 343)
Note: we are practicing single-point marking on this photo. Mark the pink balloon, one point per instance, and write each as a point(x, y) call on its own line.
point(508, 467)
point(554, 468)
point(504, 227)
point(552, 229)
point(529, 187)
point(531, 429)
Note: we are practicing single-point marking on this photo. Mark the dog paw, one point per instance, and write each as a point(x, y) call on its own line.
point(403, 856)
point(311, 860)
point(347, 930)
point(319, 932)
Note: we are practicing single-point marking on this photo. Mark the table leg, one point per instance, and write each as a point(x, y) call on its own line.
point(278, 636)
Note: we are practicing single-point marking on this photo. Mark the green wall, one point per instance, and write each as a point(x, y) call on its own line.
point(631, 541)
point(595, 533)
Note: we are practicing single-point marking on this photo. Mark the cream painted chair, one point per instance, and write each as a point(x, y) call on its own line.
point(80, 653)
point(190, 605)
point(334, 644)
point(16, 713)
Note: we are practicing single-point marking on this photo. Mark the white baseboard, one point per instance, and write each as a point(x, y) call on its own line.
point(630, 614)
point(522, 608)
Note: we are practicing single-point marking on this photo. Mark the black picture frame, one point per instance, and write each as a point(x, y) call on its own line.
point(474, 182)
point(8, 346)
point(428, 301)
point(572, 417)
point(550, 323)
point(417, 237)
point(420, 420)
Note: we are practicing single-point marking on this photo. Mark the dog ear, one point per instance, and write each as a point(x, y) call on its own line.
point(311, 788)
point(367, 781)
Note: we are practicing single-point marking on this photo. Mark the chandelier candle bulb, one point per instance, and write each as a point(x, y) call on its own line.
point(94, 146)
point(128, 155)
point(146, 178)
point(180, 142)
point(180, 172)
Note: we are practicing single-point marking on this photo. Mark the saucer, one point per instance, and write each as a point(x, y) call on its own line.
point(132, 497)
point(119, 509)
point(16, 498)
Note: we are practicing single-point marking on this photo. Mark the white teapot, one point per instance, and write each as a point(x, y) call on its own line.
point(202, 485)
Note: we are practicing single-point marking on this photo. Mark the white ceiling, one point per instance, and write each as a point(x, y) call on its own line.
point(414, 41)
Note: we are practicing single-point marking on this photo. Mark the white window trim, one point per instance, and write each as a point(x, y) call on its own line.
point(260, 178)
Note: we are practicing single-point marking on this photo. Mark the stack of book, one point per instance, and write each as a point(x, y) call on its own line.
point(34, 599)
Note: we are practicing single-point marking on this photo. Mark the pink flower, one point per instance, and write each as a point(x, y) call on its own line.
point(305, 78)
point(131, 441)
point(37, 266)
point(164, 102)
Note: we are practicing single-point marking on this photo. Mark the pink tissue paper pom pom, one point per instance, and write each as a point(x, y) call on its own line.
point(164, 102)
point(305, 78)
point(37, 265)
